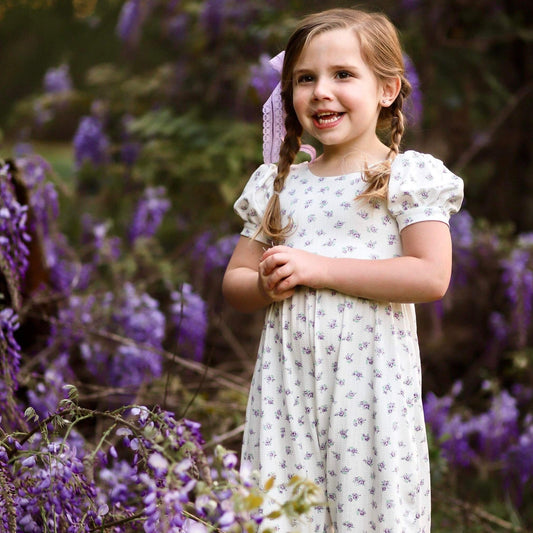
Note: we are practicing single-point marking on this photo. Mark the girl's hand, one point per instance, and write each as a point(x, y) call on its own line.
point(282, 269)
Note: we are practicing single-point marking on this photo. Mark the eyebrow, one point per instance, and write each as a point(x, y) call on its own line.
point(333, 67)
point(344, 67)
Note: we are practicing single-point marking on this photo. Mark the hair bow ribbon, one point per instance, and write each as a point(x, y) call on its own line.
point(274, 120)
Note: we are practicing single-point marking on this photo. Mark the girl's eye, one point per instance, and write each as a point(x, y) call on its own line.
point(304, 78)
point(343, 75)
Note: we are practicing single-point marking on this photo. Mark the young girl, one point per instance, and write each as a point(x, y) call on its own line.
point(339, 250)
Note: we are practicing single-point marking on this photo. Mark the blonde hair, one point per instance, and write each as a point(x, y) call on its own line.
point(382, 52)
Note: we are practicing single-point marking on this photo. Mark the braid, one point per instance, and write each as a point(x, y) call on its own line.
point(378, 176)
point(397, 126)
point(271, 223)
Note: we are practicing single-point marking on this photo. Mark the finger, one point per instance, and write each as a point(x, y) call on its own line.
point(278, 297)
point(272, 251)
point(271, 263)
point(285, 294)
point(285, 284)
point(277, 275)
point(265, 269)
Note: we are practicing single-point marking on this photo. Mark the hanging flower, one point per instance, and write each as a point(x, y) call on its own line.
point(149, 213)
point(189, 316)
point(57, 80)
point(90, 142)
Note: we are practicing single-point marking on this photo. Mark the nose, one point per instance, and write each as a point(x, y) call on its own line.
point(321, 89)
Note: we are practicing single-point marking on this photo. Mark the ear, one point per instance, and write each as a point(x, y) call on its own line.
point(390, 88)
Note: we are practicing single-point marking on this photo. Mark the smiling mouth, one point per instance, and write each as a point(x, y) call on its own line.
point(325, 119)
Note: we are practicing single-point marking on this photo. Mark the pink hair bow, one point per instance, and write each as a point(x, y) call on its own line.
point(274, 120)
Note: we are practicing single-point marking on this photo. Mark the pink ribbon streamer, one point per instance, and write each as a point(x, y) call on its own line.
point(274, 120)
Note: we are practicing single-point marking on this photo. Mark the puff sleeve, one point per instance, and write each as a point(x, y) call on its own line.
point(421, 188)
point(251, 205)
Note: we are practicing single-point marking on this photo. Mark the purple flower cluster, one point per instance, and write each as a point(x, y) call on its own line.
point(48, 485)
point(14, 236)
point(163, 480)
point(100, 244)
point(160, 478)
point(220, 507)
point(263, 77)
point(519, 460)
point(461, 229)
point(118, 486)
point(53, 491)
point(220, 252)
point(8, 511)
point(66, 271)
point(518, 279)
point(137, 318)
point(217, 14)
point(14, 255)
point(214, 254)
point(33, 167)
point(166, 480)
point(176, 476)
point(91, 144)
point(166, 492)
point(131, 20)
point(45, 207)
point(189, 317)
point(498, 427)
point(496, 437)
point(57, 80)
point(47, 392)
point(72, 324)
point(118, 335)
point(462, 232)
point(9, 360)
point(44, 200)
point(69, 272)
point(149, 213)
point(413, 104)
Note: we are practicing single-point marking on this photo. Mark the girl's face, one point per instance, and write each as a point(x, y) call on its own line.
point(336, 96)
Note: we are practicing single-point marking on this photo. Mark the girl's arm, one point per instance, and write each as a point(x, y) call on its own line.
point(421, 274)
point(242, 286)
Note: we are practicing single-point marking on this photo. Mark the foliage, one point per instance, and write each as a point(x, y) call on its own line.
point(161, 481)
point(144, 468)
point(111, 262)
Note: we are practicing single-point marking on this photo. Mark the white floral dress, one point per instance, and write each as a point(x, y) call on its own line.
point(336, 392)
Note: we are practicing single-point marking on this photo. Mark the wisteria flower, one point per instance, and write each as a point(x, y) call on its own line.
point(14, 236)
point(413, 104)
point(10, 357)
point(518, 278)
point(91, 144)
point(189, 317)
point(57, 80)
point(54, 492)
point(118, 335)
point(48, 392)
point(149, 213)
point(263, 77)
point(214, 255)
point(131, 20)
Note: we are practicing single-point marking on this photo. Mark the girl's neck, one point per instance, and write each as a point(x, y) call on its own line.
point(333, 163)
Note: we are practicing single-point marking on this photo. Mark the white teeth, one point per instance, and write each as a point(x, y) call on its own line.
point(327, 118)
